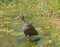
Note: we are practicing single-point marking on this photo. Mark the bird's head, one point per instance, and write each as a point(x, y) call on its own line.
point(20, 16)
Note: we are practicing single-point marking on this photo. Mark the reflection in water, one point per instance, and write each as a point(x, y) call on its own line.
point(22, 42)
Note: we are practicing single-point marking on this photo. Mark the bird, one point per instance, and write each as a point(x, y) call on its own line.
point(28, 28)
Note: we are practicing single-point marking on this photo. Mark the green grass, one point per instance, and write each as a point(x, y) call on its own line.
point(43, 14)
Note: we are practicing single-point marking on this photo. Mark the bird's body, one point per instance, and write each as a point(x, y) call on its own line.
point(29, 30)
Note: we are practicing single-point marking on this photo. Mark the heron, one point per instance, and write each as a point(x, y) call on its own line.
point(28, 28)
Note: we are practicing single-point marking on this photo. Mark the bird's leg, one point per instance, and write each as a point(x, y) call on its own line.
point(30, 38)
point(25, 36)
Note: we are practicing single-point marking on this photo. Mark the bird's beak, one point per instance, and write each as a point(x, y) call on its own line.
point(18, 16)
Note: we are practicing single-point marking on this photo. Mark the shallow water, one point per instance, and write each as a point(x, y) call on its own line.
point(23, 42)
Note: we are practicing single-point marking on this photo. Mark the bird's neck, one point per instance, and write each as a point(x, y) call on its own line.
point(23, 20)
